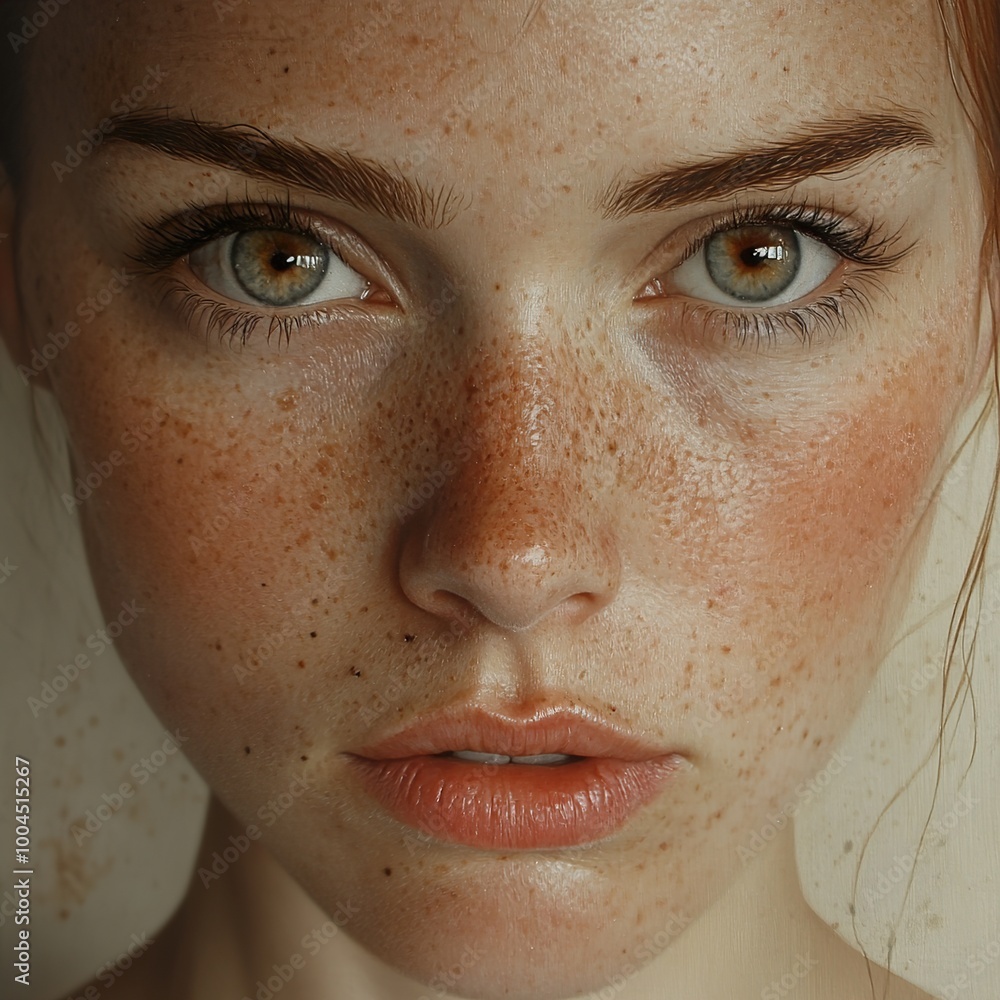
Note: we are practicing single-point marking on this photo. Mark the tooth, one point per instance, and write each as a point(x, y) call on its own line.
point(543, 758)
point(481, 758)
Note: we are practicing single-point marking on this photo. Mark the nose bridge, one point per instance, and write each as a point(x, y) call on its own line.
point(515, 531)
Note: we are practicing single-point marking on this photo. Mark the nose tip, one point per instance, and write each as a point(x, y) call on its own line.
point(453, 569)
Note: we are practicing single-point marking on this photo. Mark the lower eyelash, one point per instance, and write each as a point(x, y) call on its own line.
point(230, 323)
point(828, 314)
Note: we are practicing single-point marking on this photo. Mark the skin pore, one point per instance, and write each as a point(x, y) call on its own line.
point(635, 507)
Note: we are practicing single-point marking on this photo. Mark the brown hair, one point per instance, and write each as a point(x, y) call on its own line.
point(972, 35)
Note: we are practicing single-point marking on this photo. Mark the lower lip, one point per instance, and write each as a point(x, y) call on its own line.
point(515, 806)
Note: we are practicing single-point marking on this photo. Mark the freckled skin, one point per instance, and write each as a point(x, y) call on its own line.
point(660, 526)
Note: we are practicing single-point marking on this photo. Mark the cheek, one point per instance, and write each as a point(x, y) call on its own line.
point(809, 518)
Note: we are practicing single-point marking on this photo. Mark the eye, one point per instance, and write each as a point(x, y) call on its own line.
point(270, 267)
point(755, 265)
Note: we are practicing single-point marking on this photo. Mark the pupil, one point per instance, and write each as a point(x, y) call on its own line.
point(282, 261)
point(754, 256)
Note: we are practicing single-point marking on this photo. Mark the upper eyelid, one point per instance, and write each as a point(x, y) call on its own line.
point(162, 243)
point(874, 245)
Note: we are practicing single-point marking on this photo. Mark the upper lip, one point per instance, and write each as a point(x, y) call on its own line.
point(575, 731)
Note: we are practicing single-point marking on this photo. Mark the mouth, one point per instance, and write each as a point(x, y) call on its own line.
point(560, 778)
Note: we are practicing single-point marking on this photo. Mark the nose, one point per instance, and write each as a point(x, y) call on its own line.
point(519, 529)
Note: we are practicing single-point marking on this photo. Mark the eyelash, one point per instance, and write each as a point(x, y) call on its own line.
point(866, 246)
point(161, 244)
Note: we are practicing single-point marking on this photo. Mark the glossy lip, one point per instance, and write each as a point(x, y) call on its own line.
point(575, 731)
point(514, 806)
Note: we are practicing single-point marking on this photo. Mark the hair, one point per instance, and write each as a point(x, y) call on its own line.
point(972, 36)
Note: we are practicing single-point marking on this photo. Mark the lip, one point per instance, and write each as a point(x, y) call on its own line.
point(514, 806)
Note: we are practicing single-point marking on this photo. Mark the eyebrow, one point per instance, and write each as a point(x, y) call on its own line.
point(336, 173)
point(825, 147)
point(816, 149)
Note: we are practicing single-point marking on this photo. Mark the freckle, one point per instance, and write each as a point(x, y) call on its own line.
point(408, 637)
point(312, 635)
point(304, 757)
point(285, 70)
point(64, 914)
point(614, 708)
point(848, 846)
point(776, 681)
point(726, 649)
point(60, 741)
point(246, 749)
point(302, 664)
point(388, 871)
point(180, 461)
point(93, 721)
point(315, 600)
point(363, 610)
point(798, 667)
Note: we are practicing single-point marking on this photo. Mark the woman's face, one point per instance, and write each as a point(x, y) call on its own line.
point(658, 461)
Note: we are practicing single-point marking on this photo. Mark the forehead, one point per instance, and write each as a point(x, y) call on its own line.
point(501, 76)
